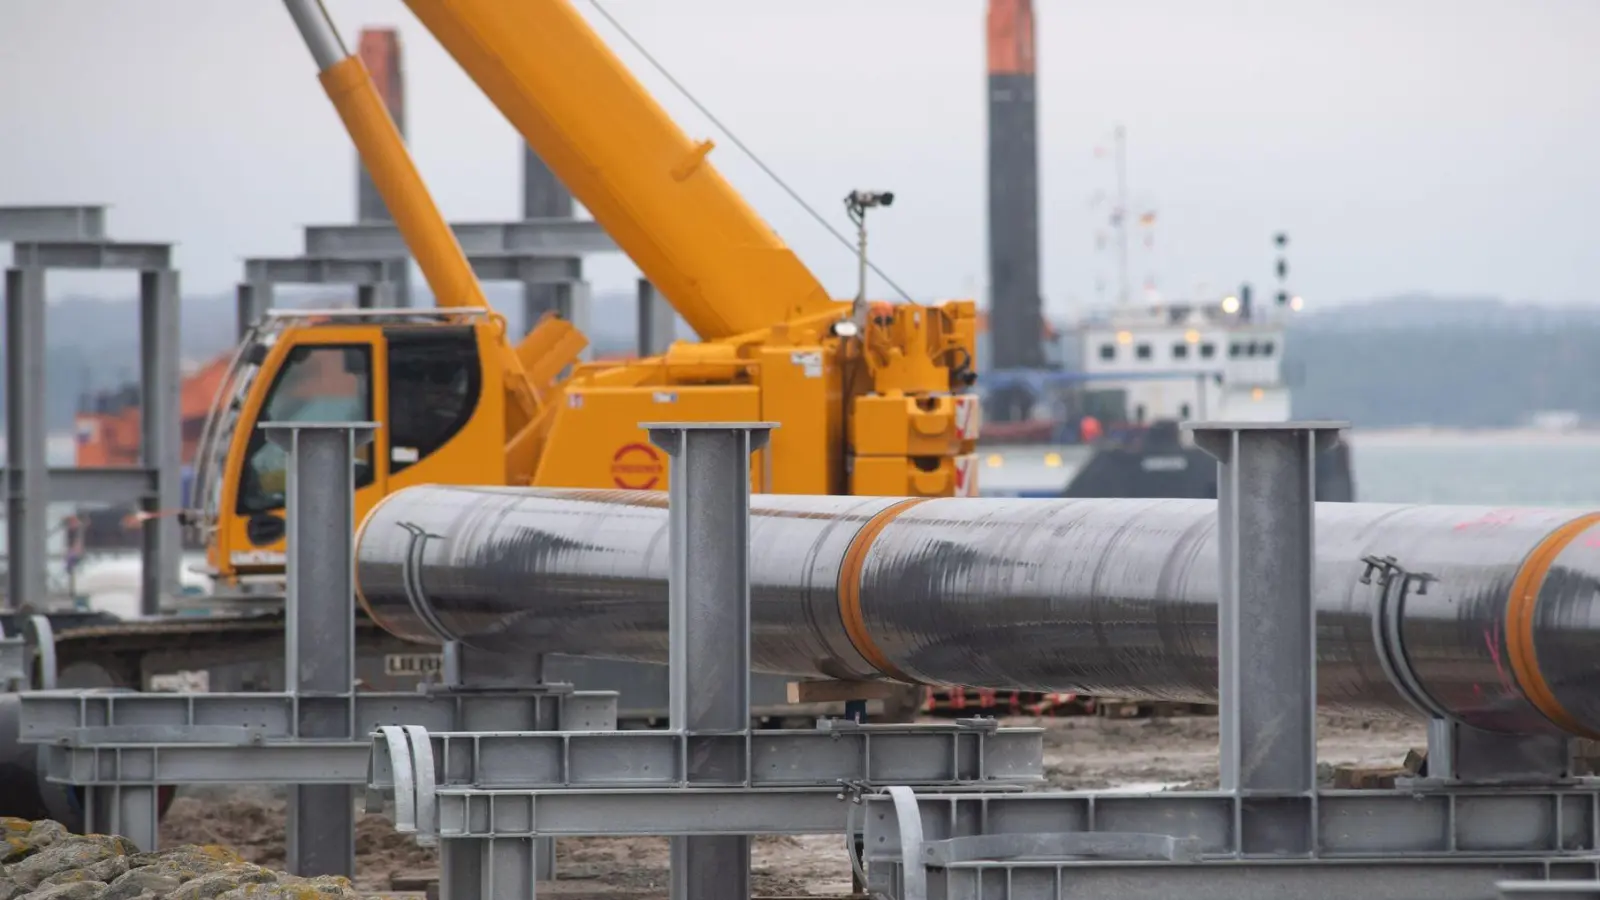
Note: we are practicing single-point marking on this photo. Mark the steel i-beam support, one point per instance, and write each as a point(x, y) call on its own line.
point(543, 197)
point(657, 321)
point(1266, 624)
point(27, 486)
point(319, 627)
point(708, 503)
point(495, 867)
point(161, 435)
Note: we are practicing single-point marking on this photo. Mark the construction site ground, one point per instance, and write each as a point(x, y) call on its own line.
point(1081, 752)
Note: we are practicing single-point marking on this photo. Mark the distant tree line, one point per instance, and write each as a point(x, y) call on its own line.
point(1477, 376)
point(1397, 362)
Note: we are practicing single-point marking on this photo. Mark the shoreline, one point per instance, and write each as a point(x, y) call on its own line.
point(1422, 435)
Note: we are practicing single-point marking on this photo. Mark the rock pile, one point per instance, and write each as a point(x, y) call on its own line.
point(43, 861)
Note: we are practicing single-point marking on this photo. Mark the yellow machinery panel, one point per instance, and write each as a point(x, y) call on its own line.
point(927, 425)
point(799, 387)
point(596, 440)
point(888, 476)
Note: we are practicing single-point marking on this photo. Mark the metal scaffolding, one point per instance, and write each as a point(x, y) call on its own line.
point(498, 762)
point(314, 737)
point(1492, 813)
point(48, 238)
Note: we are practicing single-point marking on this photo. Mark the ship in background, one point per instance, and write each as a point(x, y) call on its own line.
point(1095, 409)
point(1104, 420)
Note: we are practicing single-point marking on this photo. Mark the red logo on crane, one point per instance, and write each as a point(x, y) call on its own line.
point(637, 467)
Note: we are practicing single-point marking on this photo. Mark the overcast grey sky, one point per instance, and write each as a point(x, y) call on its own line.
point(1435, 145)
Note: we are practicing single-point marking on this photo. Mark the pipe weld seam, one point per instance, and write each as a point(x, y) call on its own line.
point(1520, 622)
point(850, 572)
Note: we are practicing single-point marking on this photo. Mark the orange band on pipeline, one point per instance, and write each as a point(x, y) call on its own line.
point(1523, 657)
point(850, 589)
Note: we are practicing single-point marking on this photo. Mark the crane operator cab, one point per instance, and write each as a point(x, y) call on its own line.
point(419, 372)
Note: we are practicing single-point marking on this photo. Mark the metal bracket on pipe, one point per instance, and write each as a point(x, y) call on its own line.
point(411, 580)
point(1388, 638)
point(408, 767)
point(43, 638)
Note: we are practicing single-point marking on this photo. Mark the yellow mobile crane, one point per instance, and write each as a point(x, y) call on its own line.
point(870, 399)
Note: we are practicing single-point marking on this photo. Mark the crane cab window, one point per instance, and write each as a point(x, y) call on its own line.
point(318, 383)
point(434, 385)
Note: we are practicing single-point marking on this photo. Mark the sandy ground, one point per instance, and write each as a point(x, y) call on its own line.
point(1083, 752)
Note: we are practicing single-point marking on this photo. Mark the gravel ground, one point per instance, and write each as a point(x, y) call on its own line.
point(1083, 752)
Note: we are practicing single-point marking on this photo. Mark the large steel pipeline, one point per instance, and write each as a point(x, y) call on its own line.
point(1495, 624)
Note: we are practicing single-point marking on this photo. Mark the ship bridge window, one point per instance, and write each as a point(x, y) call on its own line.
point(1144, 351)
point(1235, 350)
point(1266, 349)
point(1180, 350)
point(1108, 352)
point(1208, 350)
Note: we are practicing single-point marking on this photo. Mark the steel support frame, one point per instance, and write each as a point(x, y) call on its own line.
point(315, 736)
point(708, 694)
point(545, 197)
point(658, 321)
point(546, 236)
point(26, 224)
point(377, 276)
point(74, 238)
point(1495, 814)
point(710, 781)
point(371, 277)
point(319, 630)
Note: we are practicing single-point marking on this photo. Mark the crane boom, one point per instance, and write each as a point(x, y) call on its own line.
point(879, 408)
point(444, 265)
point(382, 149)
point(623, 157)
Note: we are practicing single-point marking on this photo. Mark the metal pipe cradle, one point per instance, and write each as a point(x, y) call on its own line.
point(1487, 616)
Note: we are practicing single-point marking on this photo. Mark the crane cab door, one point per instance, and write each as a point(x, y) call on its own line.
point(445, 417)
point(317, 374)
point(425, 384)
